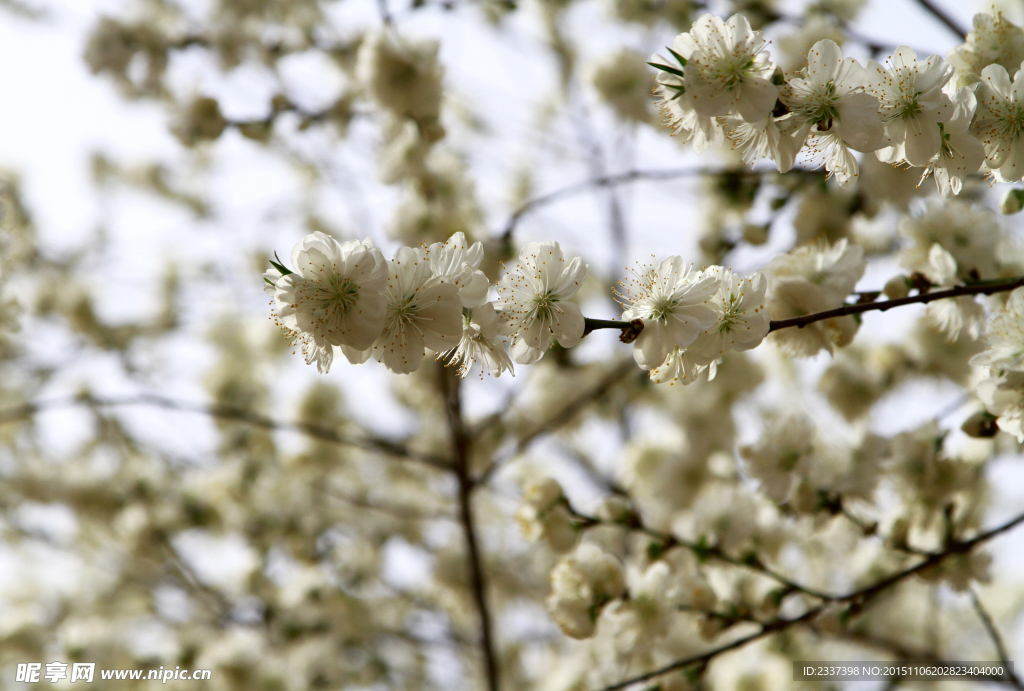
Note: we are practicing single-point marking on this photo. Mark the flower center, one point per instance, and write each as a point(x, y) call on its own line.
point(403, 311)
point(336, 297)
point(544, 304)
point(731, 316)
point(662, 307)
point(1012, 122)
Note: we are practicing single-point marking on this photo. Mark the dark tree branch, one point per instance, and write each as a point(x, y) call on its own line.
point(931, 8)
point(461, 446)
point(404, 513)
point(563, 416)
point(224, 412)
point(623, 178)
point(997, 639)
point(986, 288)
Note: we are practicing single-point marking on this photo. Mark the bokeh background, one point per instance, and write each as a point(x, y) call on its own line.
point(138, 529)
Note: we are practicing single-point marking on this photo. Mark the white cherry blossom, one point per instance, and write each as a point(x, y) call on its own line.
point(741, 319)
point(335, 297)
point(771, 138)
point(679, 114)
point(682, 366)
point(1003, 396)
point(533, 303)
point(1005, 335)
point(993, 40)
point(911, 102)
point(459, 262)
point(999, 122)
point(814, 279)
point(828, 102)
point(582, 583)
point(479, 343)
point(961, 154)
point(727, 71)
point(950, 316)
point(672, 301)
point(422, 311)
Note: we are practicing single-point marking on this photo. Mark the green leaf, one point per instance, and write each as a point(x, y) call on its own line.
point(270, 282)
point(279, 266)
point(666, 68)
point(677, 56)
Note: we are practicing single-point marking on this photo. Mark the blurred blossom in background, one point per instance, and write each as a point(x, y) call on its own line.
point(178, 487)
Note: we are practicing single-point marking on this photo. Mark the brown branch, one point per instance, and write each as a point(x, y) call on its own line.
point(986, 288)
point(563, 416)
point(404, 513)
point(857, 599)
point(703, 551)
point(461, 445)
point(997, 640)
point(944, 18)
point(615, 179)
point(225, 412)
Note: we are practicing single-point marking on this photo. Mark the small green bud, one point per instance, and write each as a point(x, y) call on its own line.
point(1012, 202)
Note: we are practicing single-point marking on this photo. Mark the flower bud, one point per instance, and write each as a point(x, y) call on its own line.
point(830, 621)
point(981, 425)
point(755, 234)
point(898, 533)
point(896, 288)
point(805, 498)
point(710, 627)
point(1012, 202)
point(616, 509)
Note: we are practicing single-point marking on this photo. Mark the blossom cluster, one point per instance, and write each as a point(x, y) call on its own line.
point(1002, 391)
point(346, 296)
point(691, 318)
point(946, 117)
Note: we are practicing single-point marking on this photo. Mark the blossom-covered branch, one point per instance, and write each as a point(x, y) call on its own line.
point(858, 598)
point(988, 288)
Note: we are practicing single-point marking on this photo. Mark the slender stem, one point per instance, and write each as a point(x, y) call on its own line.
point(615, 179)
point(986, 288)
point(997, 639)
point(940, 14)
point(225, 412)
point(385, 15)
point(563, 416)
point(669, 540)
point(461, 443)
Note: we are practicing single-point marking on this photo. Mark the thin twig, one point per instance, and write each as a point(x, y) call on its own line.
point(461, 445)
point(225, 412)
point(623, 178)
point(385, 15)
point(563, 416)
point(401, 512)
point(997, 639)
point(669, 540)
point(943, 17)
point(987, 288)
